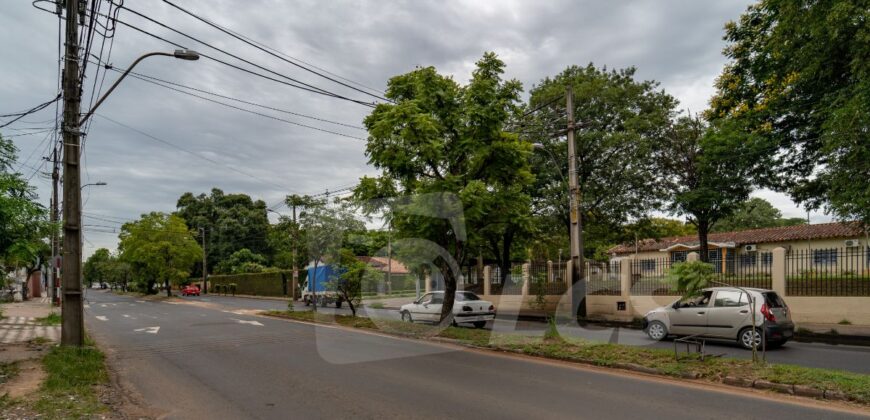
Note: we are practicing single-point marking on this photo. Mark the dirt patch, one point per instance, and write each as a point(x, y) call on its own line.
point(29, 378)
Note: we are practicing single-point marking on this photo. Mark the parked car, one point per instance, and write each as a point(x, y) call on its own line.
point(467, 308)
point(724, 313)
point(190, 290)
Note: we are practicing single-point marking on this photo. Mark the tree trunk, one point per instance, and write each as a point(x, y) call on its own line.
point(703, 230)
point(449, 293)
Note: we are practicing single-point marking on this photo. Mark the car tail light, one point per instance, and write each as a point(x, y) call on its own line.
point(467, 308)
point(491, 308)
point(767, 314)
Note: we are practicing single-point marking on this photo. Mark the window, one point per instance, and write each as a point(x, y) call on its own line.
point(729, 299)
point(679, 256)
point(767, 259)
point(647, 265)
point(824, 256)
point(748, 260)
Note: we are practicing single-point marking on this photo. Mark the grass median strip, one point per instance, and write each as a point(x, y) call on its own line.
point(50, 319)
point(854, 386)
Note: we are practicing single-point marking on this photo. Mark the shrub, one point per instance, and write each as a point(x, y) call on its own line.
point(688, 278)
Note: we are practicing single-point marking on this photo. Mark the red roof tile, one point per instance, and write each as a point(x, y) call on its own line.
point(754, 236)
point(380, 263)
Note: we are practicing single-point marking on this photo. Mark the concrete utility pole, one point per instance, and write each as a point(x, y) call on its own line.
point(578, 283)
point(55, 241)
point(204, 264)
point(72, 328)
point(293, 204)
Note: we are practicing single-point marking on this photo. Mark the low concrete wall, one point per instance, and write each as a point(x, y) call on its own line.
point(829, 310)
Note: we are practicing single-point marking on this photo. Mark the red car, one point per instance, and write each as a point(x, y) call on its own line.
point(190, 290)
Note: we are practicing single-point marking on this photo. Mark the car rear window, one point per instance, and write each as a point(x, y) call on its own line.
point(772, 300)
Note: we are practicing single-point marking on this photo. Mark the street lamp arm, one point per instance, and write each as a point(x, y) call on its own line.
point(182, 54)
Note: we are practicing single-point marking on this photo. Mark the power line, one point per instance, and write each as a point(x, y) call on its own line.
point(159, 140)
point(20, 115)
point(246, 41)
point(304, 86)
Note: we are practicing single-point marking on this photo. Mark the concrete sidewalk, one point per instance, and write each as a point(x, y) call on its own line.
point(19, 323)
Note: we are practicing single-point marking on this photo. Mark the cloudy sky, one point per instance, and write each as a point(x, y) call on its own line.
point(151, 144)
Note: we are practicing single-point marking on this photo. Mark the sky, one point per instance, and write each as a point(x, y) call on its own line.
point(151, 144)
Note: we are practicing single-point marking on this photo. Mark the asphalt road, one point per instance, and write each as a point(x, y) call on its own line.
point(213, 361)
point(820, 355)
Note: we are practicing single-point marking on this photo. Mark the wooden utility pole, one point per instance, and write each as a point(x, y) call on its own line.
point(72, 328)
point(204, 264)
point(55, 240)
point(578, 283)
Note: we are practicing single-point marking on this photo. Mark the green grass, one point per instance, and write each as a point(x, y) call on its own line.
point(8, 371)
point(376, 305)
point(51, 319)
point(845, 322)
point(69, 390)
point(713, 369)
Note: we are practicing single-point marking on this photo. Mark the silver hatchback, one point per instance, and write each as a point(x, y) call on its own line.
point(724, 313)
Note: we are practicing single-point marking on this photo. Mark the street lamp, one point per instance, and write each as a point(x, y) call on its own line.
point(72, 324)
point(100, 184)
point(180, 54)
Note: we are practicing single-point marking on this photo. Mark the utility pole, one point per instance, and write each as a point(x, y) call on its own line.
point(295, 264)
point(52, 280)
point(72, 329)
point(578, 283)
point(204, 264)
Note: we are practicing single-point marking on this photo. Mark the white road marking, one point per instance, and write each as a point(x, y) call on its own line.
point(102, 318)
point(140, 301)
point(240, 321)
point(149, 330)
point(87, 306)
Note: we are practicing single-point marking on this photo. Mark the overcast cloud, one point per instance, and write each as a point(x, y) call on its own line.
point(675, 42)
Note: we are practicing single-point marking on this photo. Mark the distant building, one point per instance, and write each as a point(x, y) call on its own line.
point(827, 242)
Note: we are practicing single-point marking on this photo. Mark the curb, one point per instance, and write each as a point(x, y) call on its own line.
point(790, 389)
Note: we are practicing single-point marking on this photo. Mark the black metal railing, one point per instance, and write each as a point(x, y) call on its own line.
point(828, 272)
point(602, 278)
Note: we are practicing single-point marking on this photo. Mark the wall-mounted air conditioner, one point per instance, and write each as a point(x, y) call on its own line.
point(750, 248)
point(851, 243)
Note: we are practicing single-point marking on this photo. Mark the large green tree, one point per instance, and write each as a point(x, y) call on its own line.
point(443, 150)
point(799, 77)
point(24, 225)
point(755, 213)
point(160, 249)
point(707, 171)
point(619, 119)
point(97, 266)
point(231, 221)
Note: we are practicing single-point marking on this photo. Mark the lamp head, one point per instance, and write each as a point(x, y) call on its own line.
point(186, 55)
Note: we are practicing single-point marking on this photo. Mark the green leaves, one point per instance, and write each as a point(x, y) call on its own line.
point(688, 278)
point(158, 247)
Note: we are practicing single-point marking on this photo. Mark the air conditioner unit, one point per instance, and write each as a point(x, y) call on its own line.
point(750, 248)
point(851, 243)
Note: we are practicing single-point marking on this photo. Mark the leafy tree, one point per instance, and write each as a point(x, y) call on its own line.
point(459, 177)
point(325, 227)
point(705, 181)
point(619, 120)
point(160, 249)
point(97, 266)
point(24, 224)
point(242, 261)
point(232, 222)
point(755, 213)
point(799, 77)
point(354, 273)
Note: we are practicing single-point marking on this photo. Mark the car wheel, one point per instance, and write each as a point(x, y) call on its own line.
point(406, 316)
point(745, 338)
point(657, 330)
point(338, 304)
point(307, 301)
point(479, 324)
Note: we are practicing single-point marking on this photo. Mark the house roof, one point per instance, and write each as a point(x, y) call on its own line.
point(380, 263)
point(753, 236)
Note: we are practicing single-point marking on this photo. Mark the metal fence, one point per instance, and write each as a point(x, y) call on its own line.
point(602, 278)
point(649, 277)
point(828, 272)
point(547, 276)
point(513, 284)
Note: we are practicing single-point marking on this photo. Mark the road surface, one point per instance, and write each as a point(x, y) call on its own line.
point(197, 360)
point(819, 355)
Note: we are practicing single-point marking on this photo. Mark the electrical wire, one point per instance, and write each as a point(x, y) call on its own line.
point(246, 41)
point(304, 85)
point(20, 115)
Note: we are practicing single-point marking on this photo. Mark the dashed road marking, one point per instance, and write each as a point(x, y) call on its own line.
point(101, 318)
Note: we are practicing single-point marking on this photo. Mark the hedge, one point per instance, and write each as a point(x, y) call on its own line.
point(258, 284)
